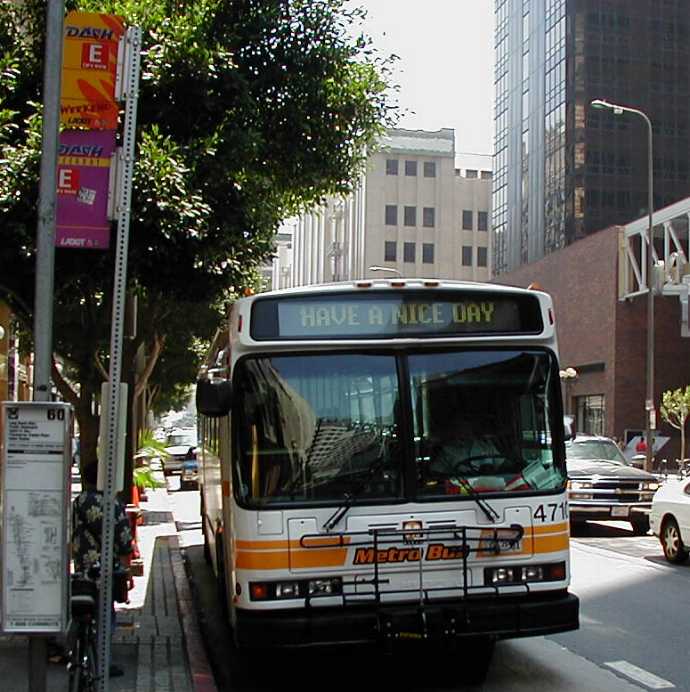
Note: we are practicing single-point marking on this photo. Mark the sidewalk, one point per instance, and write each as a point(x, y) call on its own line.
point(157, 641)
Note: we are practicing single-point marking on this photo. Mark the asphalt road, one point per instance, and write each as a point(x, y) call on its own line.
point(635, 611)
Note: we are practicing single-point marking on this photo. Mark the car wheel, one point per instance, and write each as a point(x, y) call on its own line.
point(640, 526)
point(671, 542)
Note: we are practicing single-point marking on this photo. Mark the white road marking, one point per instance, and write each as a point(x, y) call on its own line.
point(639, 675)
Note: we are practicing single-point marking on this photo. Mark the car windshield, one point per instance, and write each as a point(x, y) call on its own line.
point(594, 449)
point(181, 440)
point(316, 428)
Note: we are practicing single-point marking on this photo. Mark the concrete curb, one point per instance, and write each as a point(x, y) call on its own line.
point(200, 669)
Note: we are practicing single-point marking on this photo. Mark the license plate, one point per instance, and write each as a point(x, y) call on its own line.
point(619, 511)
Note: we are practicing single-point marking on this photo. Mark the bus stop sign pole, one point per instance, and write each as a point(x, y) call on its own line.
point(45, 259)
point(126, 171)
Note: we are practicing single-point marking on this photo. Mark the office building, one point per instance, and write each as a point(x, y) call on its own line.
point(413, 213)
point(562, 170)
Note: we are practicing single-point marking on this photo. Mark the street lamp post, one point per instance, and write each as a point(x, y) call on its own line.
point(376, 268)
point(650, 411)
point(567, 376)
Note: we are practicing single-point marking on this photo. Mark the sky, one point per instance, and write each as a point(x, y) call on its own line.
point(445, 70)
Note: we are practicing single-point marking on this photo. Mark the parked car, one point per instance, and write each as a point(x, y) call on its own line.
point(180, 446)
point(603, 486)
point(670, 519)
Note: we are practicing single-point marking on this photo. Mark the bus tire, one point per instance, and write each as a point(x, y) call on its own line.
point(221, 579)
point(477, 656)
point(207, 546)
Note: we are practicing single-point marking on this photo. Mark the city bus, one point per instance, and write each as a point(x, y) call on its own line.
point(338, 505)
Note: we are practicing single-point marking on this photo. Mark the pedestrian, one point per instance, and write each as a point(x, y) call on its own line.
point(641, 446)
point(87, 528)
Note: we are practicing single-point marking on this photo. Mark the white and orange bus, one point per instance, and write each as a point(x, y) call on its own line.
point(338, 504)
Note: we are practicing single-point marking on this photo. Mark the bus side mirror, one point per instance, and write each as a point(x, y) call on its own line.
point(213, 397)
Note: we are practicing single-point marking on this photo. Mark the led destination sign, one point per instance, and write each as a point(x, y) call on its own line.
point(388, 315)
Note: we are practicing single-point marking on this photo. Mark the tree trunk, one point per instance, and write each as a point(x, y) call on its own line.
point(682, 440)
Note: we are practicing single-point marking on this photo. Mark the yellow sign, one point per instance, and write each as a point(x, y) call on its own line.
point(89, 69)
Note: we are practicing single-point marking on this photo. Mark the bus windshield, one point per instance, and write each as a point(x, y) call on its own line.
point(484, 418)
point(323, 427)
point(318, 427)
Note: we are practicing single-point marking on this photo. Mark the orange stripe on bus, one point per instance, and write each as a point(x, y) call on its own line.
point(548, 528)
point(226, 488)
point(551, 544)
point(283, 559)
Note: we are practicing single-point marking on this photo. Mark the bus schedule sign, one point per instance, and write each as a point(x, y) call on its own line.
point(400, 315)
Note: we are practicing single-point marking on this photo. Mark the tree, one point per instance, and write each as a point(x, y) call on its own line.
point(675, 408)
point(249, 111)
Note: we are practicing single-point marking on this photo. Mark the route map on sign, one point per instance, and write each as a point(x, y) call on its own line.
point(35, 514)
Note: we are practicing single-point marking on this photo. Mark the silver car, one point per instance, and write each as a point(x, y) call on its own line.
point(180, 445)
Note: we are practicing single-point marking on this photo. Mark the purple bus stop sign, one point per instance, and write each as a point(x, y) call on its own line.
point(82, 200)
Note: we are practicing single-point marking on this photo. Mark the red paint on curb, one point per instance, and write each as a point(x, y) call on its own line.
point(202, 676)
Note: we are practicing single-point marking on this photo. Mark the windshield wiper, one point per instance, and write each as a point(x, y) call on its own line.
point(350, 497)
point(340, 512)
point(491, 514)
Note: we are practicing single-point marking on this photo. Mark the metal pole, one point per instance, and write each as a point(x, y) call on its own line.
point(650, 405)
point(45, 231)
point(650, 409)
point(45, 260)
point(131, 77)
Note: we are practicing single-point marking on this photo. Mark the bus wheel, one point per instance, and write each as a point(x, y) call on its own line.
point(477, 653)
point(221, 580)
point(207, 546)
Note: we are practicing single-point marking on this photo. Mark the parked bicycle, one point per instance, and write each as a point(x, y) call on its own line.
point(82, 665)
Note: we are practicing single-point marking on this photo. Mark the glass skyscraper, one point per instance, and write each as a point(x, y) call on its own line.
point(561, 169)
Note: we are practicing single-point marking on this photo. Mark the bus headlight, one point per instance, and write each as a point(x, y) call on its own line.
point(511, 576)
point(300, 588)
point(325, 586)
point(289, 589)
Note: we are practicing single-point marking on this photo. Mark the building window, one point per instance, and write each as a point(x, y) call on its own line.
point(389, 251)
point(471, 173)
point(410, 168)
point(408, 252)
point(591, 414)
point(410, 216)
point(466, 255)
point(481, 257)
point(486, 175)
point(483, 220)
point(391, 215)
point(430, 169)
point(428, 253)
point(429, 217)
point(466, 219)
point(391, 166)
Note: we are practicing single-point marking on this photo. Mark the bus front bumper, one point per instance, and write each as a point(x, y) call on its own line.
point(501, 618)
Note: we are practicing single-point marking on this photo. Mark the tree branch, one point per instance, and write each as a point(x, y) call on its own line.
point(142, 380)
point(101, 369)
point(64, 387)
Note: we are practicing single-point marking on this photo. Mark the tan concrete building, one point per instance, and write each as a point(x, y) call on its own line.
point(413, 213)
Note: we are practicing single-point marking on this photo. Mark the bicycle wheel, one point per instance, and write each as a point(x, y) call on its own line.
point(90, 665)
point(75, 665)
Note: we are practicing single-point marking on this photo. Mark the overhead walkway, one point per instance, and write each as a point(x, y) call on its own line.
point(671, 275)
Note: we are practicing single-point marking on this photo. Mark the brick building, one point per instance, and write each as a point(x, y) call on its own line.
point(604, 338)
